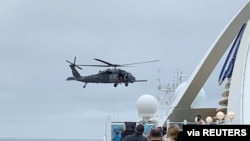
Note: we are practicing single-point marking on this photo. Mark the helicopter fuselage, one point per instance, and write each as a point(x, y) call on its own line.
point(108, 76)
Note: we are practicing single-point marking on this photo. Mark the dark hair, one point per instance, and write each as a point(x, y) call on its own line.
point(156, 132)
point(164, 128)
point(130, 125)
point(198, 118)
point(140, 128)
point(130, 129)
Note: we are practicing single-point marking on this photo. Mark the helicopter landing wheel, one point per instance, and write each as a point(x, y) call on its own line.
point(84, 85)
point(115, 85)
point(126, 84)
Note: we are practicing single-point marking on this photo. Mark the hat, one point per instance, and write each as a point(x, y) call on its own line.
point(140, 128)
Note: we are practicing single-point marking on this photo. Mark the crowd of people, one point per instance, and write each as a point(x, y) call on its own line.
point(136, 132)
point(172, 133)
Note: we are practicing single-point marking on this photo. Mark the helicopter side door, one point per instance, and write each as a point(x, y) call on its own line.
point(104, 76)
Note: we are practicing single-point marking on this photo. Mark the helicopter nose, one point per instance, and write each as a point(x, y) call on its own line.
point(129, 77)
point(132, 78)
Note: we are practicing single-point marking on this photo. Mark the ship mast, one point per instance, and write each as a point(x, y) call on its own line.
point(169, 89)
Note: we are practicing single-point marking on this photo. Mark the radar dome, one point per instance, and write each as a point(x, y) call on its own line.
point(199, 99)
point(146, 106)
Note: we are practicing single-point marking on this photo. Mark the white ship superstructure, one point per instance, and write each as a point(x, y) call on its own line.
point(235, 35)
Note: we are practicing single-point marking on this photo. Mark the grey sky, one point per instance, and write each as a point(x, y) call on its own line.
point(37, 36)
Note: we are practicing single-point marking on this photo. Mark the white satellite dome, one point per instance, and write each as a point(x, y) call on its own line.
point(199, 99)
point(146, 106)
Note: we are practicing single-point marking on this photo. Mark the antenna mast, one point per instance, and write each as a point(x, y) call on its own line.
point(166, 98)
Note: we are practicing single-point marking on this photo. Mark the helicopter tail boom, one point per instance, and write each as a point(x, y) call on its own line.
point(71, 78)
point(141, 80)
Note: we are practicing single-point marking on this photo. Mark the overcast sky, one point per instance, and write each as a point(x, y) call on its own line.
point(37, 36)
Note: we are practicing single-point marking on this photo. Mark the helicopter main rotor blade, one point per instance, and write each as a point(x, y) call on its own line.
point(105, 62)
point(103, 66)
point(95, 65)
point(139, 62)
point(115, 65)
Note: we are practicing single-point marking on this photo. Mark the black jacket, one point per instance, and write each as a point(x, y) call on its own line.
point(137, 136)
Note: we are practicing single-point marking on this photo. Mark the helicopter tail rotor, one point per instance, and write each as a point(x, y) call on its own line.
point(74, 64)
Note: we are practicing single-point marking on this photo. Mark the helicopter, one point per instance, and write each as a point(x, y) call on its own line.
point(111, 75)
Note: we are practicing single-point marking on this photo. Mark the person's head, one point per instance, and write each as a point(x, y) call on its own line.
point(160, 128)
point(139, 128)
point(164, 128)
point(173, 130)
point(155, 134)
point(198, 120)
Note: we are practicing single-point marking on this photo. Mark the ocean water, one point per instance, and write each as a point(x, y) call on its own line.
point(30, 139)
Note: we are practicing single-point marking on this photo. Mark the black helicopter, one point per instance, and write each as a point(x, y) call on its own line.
point(114, 75)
